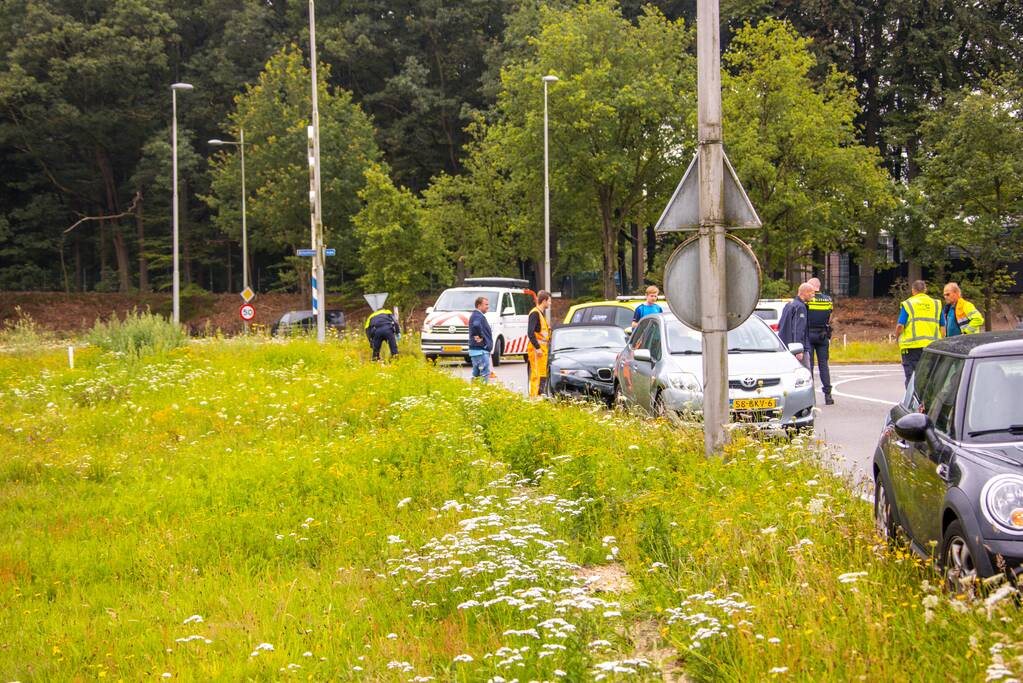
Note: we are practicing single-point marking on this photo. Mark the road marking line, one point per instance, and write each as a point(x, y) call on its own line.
point(835, 385)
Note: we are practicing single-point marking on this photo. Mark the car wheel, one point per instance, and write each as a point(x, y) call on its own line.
point(884, 519)
point(495, 357)
point(957, 560)
point(618, 399)
point(660, 409)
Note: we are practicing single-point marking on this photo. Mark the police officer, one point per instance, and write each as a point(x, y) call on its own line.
point(382, 326)
point(792, 327)
point(919, 325)
point(819, 321)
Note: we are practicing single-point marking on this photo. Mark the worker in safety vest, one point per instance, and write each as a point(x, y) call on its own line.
point(919, 325)
point(959, 316)
point(539, 332)
point(382, 326)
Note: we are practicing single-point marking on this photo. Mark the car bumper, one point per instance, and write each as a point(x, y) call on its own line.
point(445, 347)
point(565, 384)
point(1001, 554)
point(794, 407)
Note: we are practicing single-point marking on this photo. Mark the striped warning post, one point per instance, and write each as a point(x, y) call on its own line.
point(316, 300)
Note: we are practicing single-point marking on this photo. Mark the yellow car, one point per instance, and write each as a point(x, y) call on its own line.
point(618, 312)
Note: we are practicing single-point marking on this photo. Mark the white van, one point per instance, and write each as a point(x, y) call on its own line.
point(446, 328)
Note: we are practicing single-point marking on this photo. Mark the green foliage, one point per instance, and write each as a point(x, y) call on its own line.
point(971, 180)
point(139, 334)
point(776, 288)
point(295, 494)
point(275, 115)
point(398, 252)
point(23, 332)
point(793, 143)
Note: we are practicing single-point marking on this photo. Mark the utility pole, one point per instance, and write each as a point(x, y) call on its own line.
point(176, 275)
point(547, 198)
point(318, 285)
point(712, 228)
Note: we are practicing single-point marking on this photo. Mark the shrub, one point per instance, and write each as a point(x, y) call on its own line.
point(772, 288)
point(23, 332)
point(137, 335)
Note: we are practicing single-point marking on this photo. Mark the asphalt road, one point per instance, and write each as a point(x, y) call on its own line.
point(849, 429)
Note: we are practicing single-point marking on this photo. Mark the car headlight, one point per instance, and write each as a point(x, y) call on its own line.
point(684, 380)
point(803, 377)
point(574, 372)
point(1002, 502)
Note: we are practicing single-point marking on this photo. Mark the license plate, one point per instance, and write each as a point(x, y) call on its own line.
point(451, 349)
point(753, 403)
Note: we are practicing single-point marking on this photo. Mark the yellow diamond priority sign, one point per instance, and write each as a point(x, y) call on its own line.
point(248, 295)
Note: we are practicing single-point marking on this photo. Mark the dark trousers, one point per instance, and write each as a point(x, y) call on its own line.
point(377, 340)
point(910, 357)
point(821, 349)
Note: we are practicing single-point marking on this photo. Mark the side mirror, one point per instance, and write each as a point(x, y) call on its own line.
point(913, 427)
point(508, 310)
point(429, 310)
point(643, 355)
point(796, 348)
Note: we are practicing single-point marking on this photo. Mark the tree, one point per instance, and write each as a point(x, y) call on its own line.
point(275, 114)
point(398, 253)
point(971, 175)
point(621, 118)
point(793, 142)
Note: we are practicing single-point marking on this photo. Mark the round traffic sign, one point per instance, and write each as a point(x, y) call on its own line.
point(247, 312)
point(682, 282)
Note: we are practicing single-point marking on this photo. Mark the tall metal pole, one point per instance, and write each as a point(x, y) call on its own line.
point(546, 197)
point(712, 229)
point(245, 232)
point(175, 305)
point(319, 287)
point(176, 278)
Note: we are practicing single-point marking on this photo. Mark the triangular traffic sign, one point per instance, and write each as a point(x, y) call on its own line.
point(683, 210)
point(375, 301)
point(247, 294)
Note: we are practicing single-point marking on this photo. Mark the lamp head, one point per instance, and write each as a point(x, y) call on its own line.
point(182, 87)
point(215, 142)
point(550, 79)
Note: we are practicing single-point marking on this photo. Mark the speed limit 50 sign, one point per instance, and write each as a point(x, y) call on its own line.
point(247, 312)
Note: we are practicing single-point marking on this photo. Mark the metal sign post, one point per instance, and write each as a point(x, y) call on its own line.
point(712, 228)
point(318, 285)
point(709, 198)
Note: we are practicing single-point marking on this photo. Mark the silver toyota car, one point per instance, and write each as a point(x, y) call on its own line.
point(661, 370)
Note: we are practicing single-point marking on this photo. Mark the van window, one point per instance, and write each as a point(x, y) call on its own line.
point(462, 299)
point(523, 303)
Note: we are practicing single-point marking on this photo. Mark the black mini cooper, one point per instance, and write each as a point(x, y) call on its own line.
point(948, 470)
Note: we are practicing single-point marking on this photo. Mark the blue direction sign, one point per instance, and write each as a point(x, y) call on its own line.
point(312, 252)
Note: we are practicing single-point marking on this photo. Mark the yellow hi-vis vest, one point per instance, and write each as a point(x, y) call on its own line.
point(968, 317)
point(923, 324)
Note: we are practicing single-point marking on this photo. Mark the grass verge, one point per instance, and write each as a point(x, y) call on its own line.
point(258, 510)
point(865, 352)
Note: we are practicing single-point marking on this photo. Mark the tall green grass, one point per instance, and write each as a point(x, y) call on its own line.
point(138, 334)
point(184, 514)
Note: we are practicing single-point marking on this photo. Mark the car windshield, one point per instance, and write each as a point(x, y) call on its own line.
point(602, 337)
point(993, 409)
point(463, 299)
point(753, 336)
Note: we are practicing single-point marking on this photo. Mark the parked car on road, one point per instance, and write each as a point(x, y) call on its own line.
point(769, 310)
point(294, 322)
point(948, 468)
point(446, 328)
point(618, 312)
point(582, 360)
point(661, 370)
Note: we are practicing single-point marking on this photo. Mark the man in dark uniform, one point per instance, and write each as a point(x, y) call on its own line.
point(382, 326)
point(818, 319)
point(792, 327)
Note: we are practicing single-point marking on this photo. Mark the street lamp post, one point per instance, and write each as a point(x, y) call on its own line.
point(546, 196)
point(240, 144)
point(175, 88)
point(319, 286)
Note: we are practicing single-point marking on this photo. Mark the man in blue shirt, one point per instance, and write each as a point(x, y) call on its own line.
point(481, 340)
point(793, 326)
point(649, 307)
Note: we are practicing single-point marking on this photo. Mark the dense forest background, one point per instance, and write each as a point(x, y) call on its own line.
point(847, 122)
